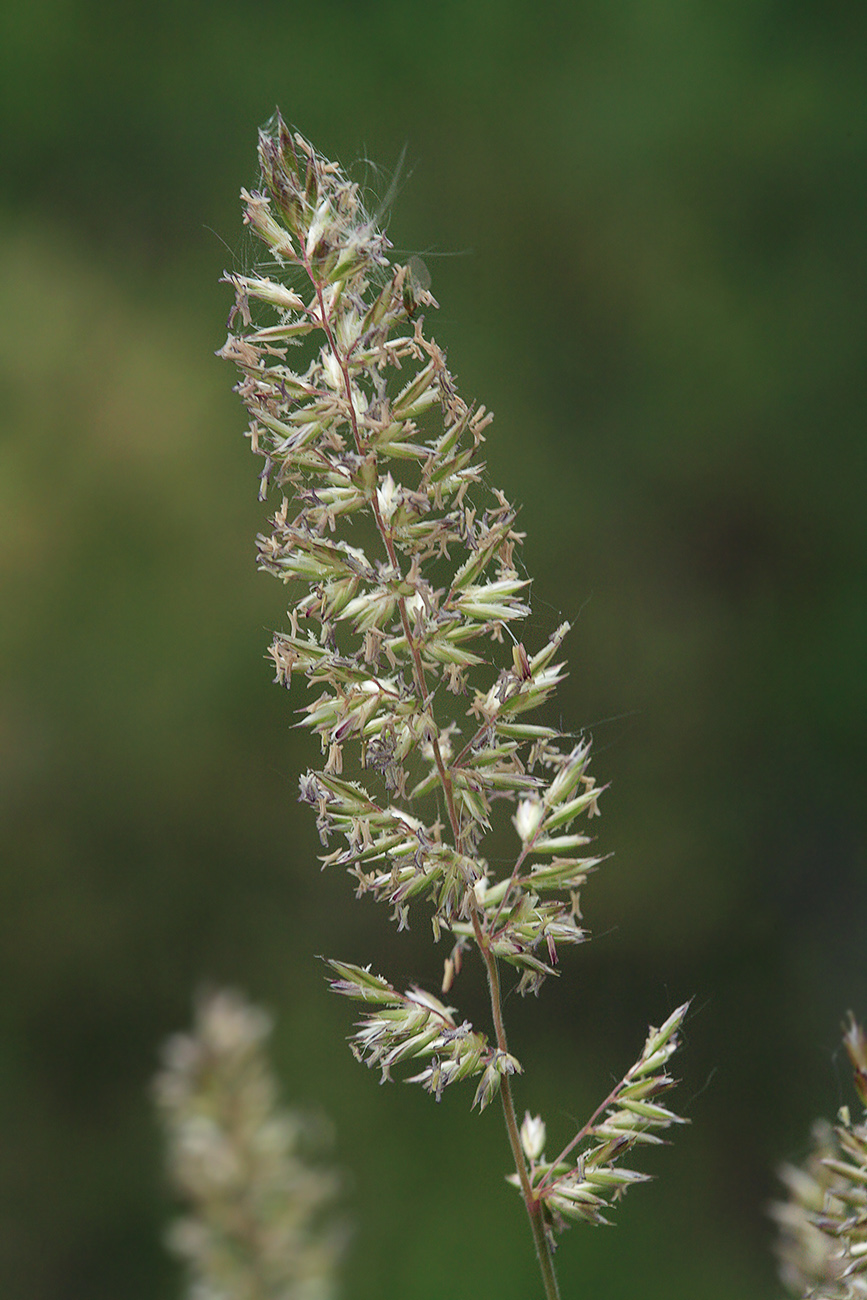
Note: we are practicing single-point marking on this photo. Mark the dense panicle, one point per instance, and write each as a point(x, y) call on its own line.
point(407, 600)
point(407, 581)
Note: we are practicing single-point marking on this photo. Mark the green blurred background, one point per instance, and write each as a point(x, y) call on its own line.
point(645, 224)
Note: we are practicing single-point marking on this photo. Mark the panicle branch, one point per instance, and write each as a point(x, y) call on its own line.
point(585, 1178)
point(416, 1025)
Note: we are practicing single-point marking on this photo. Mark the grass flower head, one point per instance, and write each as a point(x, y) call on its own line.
point(408, 597)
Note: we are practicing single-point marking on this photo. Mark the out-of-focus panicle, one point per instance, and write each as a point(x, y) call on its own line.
point(822, 1225)
point(260, 1222)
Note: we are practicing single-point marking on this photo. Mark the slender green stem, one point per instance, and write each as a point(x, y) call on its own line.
point(531, 1202)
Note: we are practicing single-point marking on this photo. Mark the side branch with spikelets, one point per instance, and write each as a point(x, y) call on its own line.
point(407, 597)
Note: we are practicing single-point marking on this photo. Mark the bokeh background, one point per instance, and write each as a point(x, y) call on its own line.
point(645, 224)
